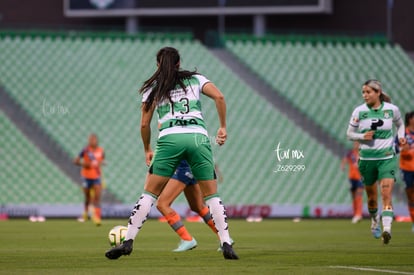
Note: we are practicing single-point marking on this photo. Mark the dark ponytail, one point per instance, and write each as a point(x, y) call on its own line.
point(408, 117)
point(385, 97)
point(166, 78)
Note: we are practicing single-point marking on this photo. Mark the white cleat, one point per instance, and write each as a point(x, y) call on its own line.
point(356, 219)
point(186, 245)
point(376, 227)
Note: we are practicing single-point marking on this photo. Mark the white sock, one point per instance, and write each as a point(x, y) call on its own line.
point(139, 215)
point(218, 212)
point(387, 217)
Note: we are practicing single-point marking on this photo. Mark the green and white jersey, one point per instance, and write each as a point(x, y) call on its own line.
point(184, 115)
point(381, 121)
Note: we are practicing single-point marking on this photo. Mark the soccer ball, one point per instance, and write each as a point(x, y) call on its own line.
point(117, 235)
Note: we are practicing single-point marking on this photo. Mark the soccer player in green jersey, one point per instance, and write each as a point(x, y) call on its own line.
point(371, 125)
point(175, 94)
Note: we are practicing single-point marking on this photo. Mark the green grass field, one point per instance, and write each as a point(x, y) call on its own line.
point(269, 247)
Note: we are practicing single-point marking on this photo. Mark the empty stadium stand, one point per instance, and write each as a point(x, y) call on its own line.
point(27, 176)
point(322, 77)
point(74, 85)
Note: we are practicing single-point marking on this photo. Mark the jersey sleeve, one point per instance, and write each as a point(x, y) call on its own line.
point(354, 121)
point(396, 145)
point(397, 114)
point(352, 132)
point(82, 153)
point(399, 123)
point(203, 81)
point(146, 95)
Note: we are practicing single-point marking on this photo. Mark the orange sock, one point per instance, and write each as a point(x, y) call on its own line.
point(205, 214)
point(174, 220)
point(358, 206)
point(98, 212)
point(411, 209)
point(410, 199)
point(354, 206)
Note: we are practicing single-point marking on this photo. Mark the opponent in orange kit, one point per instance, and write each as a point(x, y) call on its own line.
point(407, 163)
point(90, 159)
point(357, 188)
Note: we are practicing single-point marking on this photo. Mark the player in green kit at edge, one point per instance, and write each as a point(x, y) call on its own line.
point(371, 125)
point(175, 94)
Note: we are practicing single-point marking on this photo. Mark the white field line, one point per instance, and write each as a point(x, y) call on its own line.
point(371, 269)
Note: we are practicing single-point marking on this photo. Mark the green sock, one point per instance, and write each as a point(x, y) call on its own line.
point(373, 212)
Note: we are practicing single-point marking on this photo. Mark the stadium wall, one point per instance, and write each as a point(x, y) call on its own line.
point(348, 17)
point(233, 211)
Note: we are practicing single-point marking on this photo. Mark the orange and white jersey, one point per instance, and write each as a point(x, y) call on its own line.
point(407, 156)
point(352, 158)
point(94, 158)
